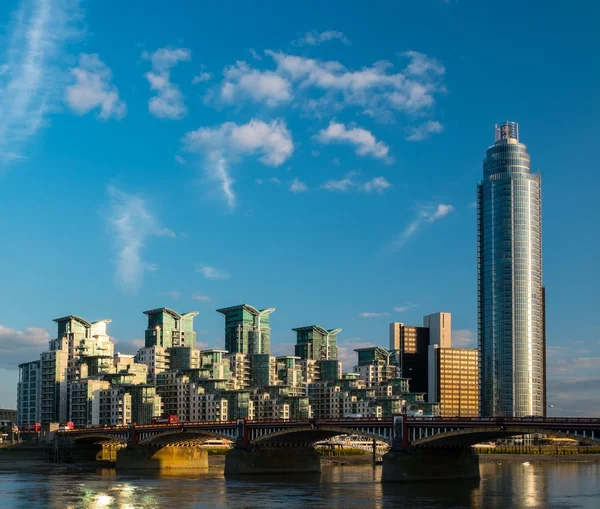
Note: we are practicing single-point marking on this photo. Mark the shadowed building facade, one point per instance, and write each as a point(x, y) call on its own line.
point(510, 294)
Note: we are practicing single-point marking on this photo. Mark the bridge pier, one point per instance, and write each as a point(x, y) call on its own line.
point(415, 464)
point(272, 460)
point(168, 457)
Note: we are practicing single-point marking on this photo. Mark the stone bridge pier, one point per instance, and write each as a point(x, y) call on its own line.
point(265, 459)
point(162, 457)
point(414, 464)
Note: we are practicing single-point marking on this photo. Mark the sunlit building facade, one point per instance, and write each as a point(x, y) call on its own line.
point(454, 381)
point(247, 329)
point(510, 295)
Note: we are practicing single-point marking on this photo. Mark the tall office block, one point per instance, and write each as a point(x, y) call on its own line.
point(510, 295)
point(454, 381)
point(440, 329)
point(314, 342)
point(247, 329)
point(168, 328)
point(408, 346)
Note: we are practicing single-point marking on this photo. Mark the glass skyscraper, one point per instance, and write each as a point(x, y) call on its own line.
point(510, 294)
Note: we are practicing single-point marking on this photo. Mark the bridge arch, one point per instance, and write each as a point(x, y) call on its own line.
point(308, 435)
point(472, 436)
point(180, 435)
point(96, 438)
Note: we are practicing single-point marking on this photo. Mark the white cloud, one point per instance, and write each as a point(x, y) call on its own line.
point(131, 223)
point(201, 78)
point(344, 184)
point(259, 181)
point(372, 315)
point(243, 82)
point(363, 140)
point(463, 338)
point(93, 89)
point(31, 79)
point(180, 159)
point(173, 294)
point(376, 185)
point(212, 272)
point(401, 309)
point(421, 64)
point(168, 101)
point(427, 214)
point(275, 180)
point(298, 186)
point(377, 90)
point(424, 131)
point(201, 298)
point(21, 346)
point(350, 183)
point(272, 141)
point(315, 38)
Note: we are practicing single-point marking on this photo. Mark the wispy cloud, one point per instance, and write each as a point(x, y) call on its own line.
point(275, 180)
point(229, 142)
point(172, 294)
point(362, 139)
point(93, 89)
point(168, 101)
point(298, 186)
point(201, 78)
point(427, 214)
point(21, 346)
point(377, 185)
point(344, 184)
point(422, 65)
point(242, 82)
point(401, 309)
point(350, 183)
point(31, 81)
point(424, 131)
point(131, 223)
point(463, 338)
point(315, 38)
point(372, 315)
point(377, 90)
point(212, 272)
point(201, 298)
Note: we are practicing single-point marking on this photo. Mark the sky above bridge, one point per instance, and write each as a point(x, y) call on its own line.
point(318, 157)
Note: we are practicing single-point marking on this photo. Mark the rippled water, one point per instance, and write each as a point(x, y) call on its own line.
point(503, 484)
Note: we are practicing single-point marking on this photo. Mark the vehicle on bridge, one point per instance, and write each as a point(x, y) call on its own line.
point(172, 419)
point(66, 425)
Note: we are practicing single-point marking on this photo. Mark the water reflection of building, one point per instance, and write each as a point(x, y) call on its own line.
point(519, 483)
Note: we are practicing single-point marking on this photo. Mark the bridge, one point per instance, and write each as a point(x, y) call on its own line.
point(421, 447)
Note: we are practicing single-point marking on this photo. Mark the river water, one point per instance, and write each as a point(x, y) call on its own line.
point(504, 484)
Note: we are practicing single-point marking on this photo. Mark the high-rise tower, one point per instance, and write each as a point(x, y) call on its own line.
point(247, 329)
point(510, 294)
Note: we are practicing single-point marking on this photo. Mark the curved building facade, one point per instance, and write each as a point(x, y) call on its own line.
point(510, 293)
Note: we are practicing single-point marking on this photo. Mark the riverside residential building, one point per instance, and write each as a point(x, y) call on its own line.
point(510, 293)
point(247, 329)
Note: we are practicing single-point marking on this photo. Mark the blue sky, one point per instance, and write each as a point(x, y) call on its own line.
point(319, 157)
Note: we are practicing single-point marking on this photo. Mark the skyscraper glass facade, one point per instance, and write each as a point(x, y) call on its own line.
point(510, 301)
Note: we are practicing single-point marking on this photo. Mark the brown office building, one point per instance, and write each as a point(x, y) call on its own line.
point(454, 380)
